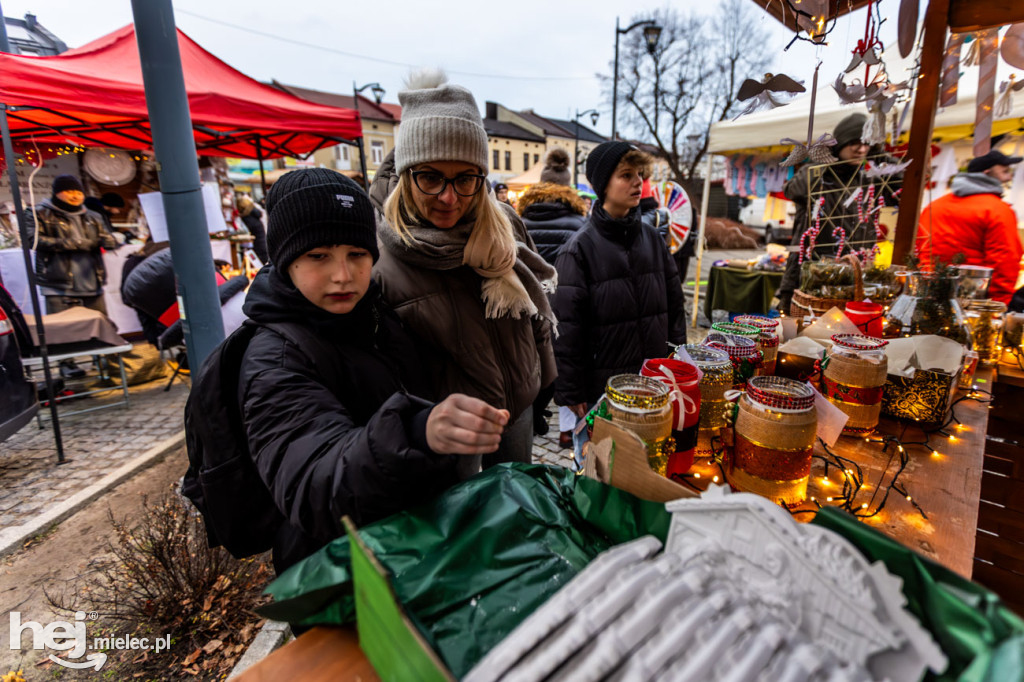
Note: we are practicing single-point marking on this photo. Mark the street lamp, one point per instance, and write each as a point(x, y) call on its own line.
point(651, 34)
point(378, 96)
point(576, 143)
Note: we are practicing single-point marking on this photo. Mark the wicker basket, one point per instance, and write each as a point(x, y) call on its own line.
point(803, 303)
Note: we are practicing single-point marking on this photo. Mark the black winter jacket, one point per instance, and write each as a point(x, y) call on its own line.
point(254, 223)
point(339, 440)
point(69, 260)
point(552, 214)
point(618, 303)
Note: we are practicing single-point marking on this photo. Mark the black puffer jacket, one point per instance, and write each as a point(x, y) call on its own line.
point(552, 214)
point(69, 259)
point(618, 303)
point(343, 441)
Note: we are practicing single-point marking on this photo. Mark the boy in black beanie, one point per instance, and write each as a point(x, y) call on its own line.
point(328, 421)
point(619, 300)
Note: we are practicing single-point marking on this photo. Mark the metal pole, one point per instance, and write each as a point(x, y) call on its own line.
point(615, 80)
point(576, 154)
point(700, 238)
point(26, 252)
point(359, 140)
point(263, 178)
point(175, 149)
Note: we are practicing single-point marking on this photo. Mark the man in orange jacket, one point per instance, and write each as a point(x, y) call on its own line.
point(974, 220)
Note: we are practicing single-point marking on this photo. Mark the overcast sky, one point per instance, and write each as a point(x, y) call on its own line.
point(540, 54)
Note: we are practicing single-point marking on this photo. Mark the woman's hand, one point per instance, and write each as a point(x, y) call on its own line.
point(461, 425)
point(579, 409)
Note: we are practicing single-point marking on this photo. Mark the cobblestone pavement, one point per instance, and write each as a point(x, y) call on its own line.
point(95, 444)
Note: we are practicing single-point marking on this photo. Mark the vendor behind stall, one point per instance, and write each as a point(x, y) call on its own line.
point(835, 186)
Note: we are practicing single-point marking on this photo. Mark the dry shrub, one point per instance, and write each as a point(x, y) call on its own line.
point(161, 578)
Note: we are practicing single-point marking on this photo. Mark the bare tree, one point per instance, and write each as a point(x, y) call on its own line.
point(671, 97)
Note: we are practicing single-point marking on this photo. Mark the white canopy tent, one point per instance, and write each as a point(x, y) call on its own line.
point(762, 131)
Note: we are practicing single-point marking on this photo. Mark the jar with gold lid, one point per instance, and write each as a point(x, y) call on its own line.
point(985, 318)
point(853, 379)
point(715, 380)
point(767, 340)
point(642, 406)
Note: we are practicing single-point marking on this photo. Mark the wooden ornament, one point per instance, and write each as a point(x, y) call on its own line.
point(908, 26)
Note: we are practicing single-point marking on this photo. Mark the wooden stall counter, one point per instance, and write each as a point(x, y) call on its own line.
point(946, 487)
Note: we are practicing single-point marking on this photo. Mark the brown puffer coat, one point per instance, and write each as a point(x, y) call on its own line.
point(503, 361)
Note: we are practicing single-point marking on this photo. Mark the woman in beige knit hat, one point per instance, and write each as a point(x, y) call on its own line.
point(458, 267)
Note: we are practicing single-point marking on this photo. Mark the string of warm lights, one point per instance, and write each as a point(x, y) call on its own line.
point(33, 157)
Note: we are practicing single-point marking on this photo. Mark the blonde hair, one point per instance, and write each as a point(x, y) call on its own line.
point(401, 214)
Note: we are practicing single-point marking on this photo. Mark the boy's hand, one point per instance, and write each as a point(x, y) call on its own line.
point(462, 425)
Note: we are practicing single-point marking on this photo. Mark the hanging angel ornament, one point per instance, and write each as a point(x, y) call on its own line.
point(856, 91)
point(874, 127)
point(819, 151)
point(1004, 105)
point(760, 93)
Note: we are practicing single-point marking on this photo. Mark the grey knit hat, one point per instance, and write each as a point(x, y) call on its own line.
point(440, 122)
point(848, 131)
point(313, 207)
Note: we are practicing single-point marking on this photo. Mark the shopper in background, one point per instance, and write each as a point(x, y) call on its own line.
point(252, 217)
point(453, 265)
point(619, 300)
point(974, 220)
point(501, 193)
point(552, 212)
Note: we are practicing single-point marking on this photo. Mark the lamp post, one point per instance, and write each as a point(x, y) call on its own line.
point(378, 95)
point(651, 34)
point(576, 143)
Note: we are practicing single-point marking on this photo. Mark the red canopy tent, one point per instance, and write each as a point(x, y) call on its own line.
point(93, 96)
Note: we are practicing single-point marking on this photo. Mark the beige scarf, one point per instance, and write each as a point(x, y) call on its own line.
point(516, 280)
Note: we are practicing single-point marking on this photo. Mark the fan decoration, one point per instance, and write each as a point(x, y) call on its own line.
point(761, 92)
point(675, 199)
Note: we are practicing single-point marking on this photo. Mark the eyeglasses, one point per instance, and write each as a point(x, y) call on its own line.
point(433, 183)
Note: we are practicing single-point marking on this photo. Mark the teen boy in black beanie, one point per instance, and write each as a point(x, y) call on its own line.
point(619, 301)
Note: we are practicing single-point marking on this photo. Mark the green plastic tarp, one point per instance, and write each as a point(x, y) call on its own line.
point(489, 551)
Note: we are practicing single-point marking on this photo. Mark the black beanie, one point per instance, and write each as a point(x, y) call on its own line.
point(314, 207)
point(63, 183)
point(601, 163)
point(848, 131)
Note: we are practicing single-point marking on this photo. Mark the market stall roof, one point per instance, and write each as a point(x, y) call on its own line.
point(524, 180)
point(93, 96)
point(763, 130)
